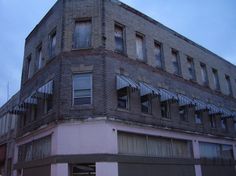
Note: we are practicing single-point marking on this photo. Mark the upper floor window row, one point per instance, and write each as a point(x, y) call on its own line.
point(32, 65)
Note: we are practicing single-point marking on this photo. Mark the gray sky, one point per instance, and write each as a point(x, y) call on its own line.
point(210, 23)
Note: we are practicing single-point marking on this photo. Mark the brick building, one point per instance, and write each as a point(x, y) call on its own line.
point(108, 91)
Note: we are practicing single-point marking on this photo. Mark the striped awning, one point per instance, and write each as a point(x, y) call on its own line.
point(184, 100)
point(46, 88)
point(30, 100)
point(167, 95)
point(213, 109)
point(200, 105)
point(146, 89)
point(226, 113)
point(123, 81)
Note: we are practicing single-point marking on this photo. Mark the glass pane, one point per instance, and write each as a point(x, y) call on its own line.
point(208, 150)
point(82, 81)
point(83, 34)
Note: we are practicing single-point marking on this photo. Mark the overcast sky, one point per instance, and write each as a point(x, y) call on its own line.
point(210, 23)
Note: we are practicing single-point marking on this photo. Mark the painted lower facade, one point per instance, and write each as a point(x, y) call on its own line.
point(94, 144)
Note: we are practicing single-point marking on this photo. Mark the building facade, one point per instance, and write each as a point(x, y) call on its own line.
point(108, 91)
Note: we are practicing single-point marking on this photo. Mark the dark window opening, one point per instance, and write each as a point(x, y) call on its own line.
point(84, 170)
point(183, 113)
point(175, 62)
point(198, 117)
point(212, 121)
point(158, 55)
point(146, 104)
point(165, 110)
point(123, 98)
point(53, 42)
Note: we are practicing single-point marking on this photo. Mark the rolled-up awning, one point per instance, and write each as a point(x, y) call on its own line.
point(200, 105)
point(123, 81)
point(184, 100)
point(146, 89)
point(167, 95)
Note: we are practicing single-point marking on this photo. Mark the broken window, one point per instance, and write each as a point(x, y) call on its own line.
point(140, 47)
point(119, 38)
point(204, 74)
point(191, 69)
point(175, 62)
point(158, 55)
point(82, 87)
point(83, 34)
point(53, 42)
point(229, 86)
point(216, 79)
point(40, 57)
point(123, 98)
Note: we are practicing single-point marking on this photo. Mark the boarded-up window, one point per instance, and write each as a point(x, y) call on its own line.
point(158, 55)
point(119, 38)
point(82, 86)
point(144, 145)
point(140, 47)
point(175, 62)
point(82, 34)
point(204, 74)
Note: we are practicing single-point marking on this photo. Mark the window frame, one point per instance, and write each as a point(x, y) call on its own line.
point(229, 84)
point(216, 79)
point(168, 109)
point(73, 89)
point(198, 114)
point(190, 61)
point(52, 34)
point(149, 101)
point(122, 27)
point(40, 60)
point(184, 117)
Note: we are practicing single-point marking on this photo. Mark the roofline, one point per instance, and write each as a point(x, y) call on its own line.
point(146, 17)
point(41, 21)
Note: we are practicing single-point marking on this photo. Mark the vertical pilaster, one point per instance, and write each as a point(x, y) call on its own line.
point(196, 154)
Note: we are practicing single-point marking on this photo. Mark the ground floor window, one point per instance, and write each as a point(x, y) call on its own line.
point(83, 170)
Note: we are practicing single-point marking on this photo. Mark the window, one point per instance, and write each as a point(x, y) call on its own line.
point(229, 86)
point(224, 123)
point(216, 79)
point(183, 113)
point(175, 62)
point(191, 69)
point(29, 66)
point(38, 149)
point(143, 145)
point(212, 151)
point(83, 34)
point(158, 55)
point(146, 104)
point(48, 103)
point(53, 42)
point(140, 47)
point(212, 121)
point(40, 57)
point(83, 170)
point(82, 87)
point(234, 125)
point(165, 110)
point(198, 117)
point(33, 112)
point(119, 38)
point(123, 98)
point(204, 74)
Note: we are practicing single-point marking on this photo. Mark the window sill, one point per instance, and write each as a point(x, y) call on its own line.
point(82, 107)
point(123, 110)
point(81, 49)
